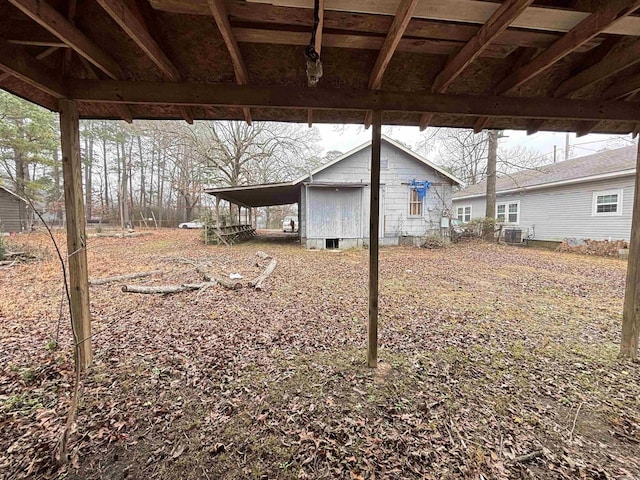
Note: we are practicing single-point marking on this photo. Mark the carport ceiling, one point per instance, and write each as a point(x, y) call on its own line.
point(260, 195)
point(523, 64)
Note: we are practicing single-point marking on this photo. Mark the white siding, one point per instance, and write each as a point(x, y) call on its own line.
point(394, 214)
point(556, 213)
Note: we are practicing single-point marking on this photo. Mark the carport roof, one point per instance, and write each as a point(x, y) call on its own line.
point(259, 195)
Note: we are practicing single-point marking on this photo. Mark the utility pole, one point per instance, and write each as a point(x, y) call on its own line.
point(566, 146)
point(492, 160)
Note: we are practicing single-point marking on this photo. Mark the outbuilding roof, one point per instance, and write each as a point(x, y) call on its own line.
point(17, 197)
point(288, 192)
point(604, 164)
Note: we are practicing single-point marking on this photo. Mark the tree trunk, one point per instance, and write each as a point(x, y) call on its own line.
point(88, 167)
point(106, 175)
point(631, 309)
point(492, 159)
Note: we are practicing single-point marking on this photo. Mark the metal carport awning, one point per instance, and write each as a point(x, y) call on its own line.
point(259, 195)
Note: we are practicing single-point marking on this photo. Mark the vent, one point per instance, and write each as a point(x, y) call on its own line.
point(332, 243)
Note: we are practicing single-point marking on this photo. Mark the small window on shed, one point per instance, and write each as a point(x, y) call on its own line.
point(415, 204)
point(331, 243)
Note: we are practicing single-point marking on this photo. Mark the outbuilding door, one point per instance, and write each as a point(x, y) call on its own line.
point(335, 212)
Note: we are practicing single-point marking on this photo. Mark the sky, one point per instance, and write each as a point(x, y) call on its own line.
point(345, 138)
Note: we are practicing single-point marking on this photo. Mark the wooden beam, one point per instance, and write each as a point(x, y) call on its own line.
point(399, 25)
point(363, 42)
point(374, 225)
point(622, 88)
point(158, 93)
point(137, 31)
point(480, 124)
point(318, 46)
point(219, 11)
point(469, 11)
point(631, 309)
point(44, 54)
point(76, 237)
point(589, 28)
point(270, 16)
point(49, 18)
point(394, 35)
point(534, 126)
point(123, 109)
point(15, 60)
point(610, 65)
point(499, 21)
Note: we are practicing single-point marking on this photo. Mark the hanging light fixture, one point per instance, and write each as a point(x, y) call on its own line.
point(314, 65)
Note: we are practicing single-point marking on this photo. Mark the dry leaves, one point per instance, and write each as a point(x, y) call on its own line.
point(498, 362)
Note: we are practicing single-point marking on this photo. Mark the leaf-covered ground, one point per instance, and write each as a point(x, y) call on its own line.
point(497, 362)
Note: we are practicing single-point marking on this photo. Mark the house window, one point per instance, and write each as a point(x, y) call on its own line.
point(464, 214)
point(508, 212)
point(415, 204)
point(607, 203)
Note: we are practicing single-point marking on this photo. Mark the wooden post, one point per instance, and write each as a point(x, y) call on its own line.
point(218, 212)
point(74, 210)
point(239, 214)
point(631, 309)
point(374, 222)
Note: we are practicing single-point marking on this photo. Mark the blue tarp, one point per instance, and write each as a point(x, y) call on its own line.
point(421, 187)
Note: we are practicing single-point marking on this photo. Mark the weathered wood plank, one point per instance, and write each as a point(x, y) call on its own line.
point(54, 22)
point(15, 60)
point(374, 223)
point(76, 236)
point(160, 93)
point(590, 27)
point(631, 309)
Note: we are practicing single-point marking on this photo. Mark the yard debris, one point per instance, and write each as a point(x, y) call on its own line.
point(602, 248)
point(257, 282)
point(165, 289)
point(492, 350)
point(434, 241)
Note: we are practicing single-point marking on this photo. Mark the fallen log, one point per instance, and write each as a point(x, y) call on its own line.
point(257, 282)
point(165, 289)
point(120, 278)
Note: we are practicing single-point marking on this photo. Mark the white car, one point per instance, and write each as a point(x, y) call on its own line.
point(193, 224)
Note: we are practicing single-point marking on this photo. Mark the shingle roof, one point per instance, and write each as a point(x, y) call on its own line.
point(601, 163)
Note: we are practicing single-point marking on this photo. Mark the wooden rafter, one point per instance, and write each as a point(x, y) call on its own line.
point(173, 93)
point(123, 109)
point(470, 11)
point(495, 25)
point(590, 27)
point(595, 24)
point(622, 88)
point(44, 54)
point(499, 21)
point(318, 47)
point(15, 60)
point(136, 29)
point(219, 11)
point(50, 19)
point(610, 65)
point(394, 35)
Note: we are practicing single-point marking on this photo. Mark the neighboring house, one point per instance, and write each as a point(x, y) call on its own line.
point(333, 199)
point(10, 206)
point(585, 197)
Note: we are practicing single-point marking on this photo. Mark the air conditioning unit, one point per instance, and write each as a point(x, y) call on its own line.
point(513, 235)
